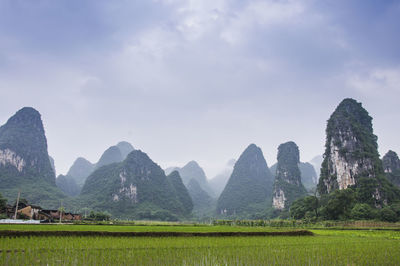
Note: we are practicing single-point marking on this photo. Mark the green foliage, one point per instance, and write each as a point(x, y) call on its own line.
point(387, 214)
point(250, 183)
point(100, 216)
point(339, 205)
point(306, 207)
point(3, 203)
point(363, 211)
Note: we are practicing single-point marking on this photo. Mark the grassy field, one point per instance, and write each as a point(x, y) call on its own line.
point(133, 228)
point(326, 247)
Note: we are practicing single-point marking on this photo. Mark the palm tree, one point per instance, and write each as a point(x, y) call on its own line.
point(61, 210)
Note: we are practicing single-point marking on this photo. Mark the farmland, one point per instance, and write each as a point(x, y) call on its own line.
point(333, 247)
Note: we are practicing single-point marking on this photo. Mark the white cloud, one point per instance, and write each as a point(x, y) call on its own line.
point(376, 82)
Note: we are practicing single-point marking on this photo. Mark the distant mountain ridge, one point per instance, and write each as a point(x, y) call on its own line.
point(82, 168)
point(136, 188)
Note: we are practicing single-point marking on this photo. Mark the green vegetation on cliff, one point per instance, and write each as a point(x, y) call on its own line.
point(136, 188)
point(24, 161)
point(249, 185)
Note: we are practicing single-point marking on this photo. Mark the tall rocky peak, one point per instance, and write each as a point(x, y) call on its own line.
point(250, 183)
point(23, 146)
point(111, 155)
point(125, 148)
point(391, 166)
point(350, 149)
point(80, 170)
point(391, 162)
point(135, 188)
point(288, 159)
point(288, 186)
point(25, 164)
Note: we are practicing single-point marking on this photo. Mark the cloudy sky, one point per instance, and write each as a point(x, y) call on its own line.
point(198, 79)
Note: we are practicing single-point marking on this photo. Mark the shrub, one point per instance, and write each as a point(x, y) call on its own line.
point(388, 215)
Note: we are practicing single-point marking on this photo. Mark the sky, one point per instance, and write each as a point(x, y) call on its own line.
point(198, 79)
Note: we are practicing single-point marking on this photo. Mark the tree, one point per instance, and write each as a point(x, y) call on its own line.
point(388, 215)
point(339, 205)
point(362, 211)
point(3, 203)
point(61, 210)
point(305, 205)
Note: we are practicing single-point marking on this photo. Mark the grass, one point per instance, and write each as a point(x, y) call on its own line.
point(133, 228)
point(326, 247)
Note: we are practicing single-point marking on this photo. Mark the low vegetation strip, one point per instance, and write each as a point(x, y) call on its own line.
point(12, 233)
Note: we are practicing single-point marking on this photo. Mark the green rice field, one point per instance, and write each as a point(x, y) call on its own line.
point(325, 247)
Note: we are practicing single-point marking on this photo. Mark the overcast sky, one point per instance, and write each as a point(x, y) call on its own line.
point(199, 79)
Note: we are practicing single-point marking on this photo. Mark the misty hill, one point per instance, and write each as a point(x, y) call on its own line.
point(203, 203)
point(125, 148)
point(82, 168)
point(218, 182)
point(287, 186)
point(391, 166)
point(250, 184)
point(317, 163)
point(67, 185)
point(190, 171)
point(136, 188)
point(111, 155)
point(24, 161)
point(309, 177)
point(351, 157)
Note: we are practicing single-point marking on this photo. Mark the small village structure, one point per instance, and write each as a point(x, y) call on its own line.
point(34, 212)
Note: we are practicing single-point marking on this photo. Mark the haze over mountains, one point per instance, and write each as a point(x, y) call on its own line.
point(130, 185)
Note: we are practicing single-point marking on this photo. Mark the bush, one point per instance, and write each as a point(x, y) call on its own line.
point(362, 211)
point(388, 215)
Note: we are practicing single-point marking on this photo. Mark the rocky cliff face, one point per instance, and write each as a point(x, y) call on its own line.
point(391, 162)
point(350, 149)
point(135, 188)
point(23, 145)
point(391, 166)
point(309, 177)
point(24, 161)
point(250, 184)
point(288, 186)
